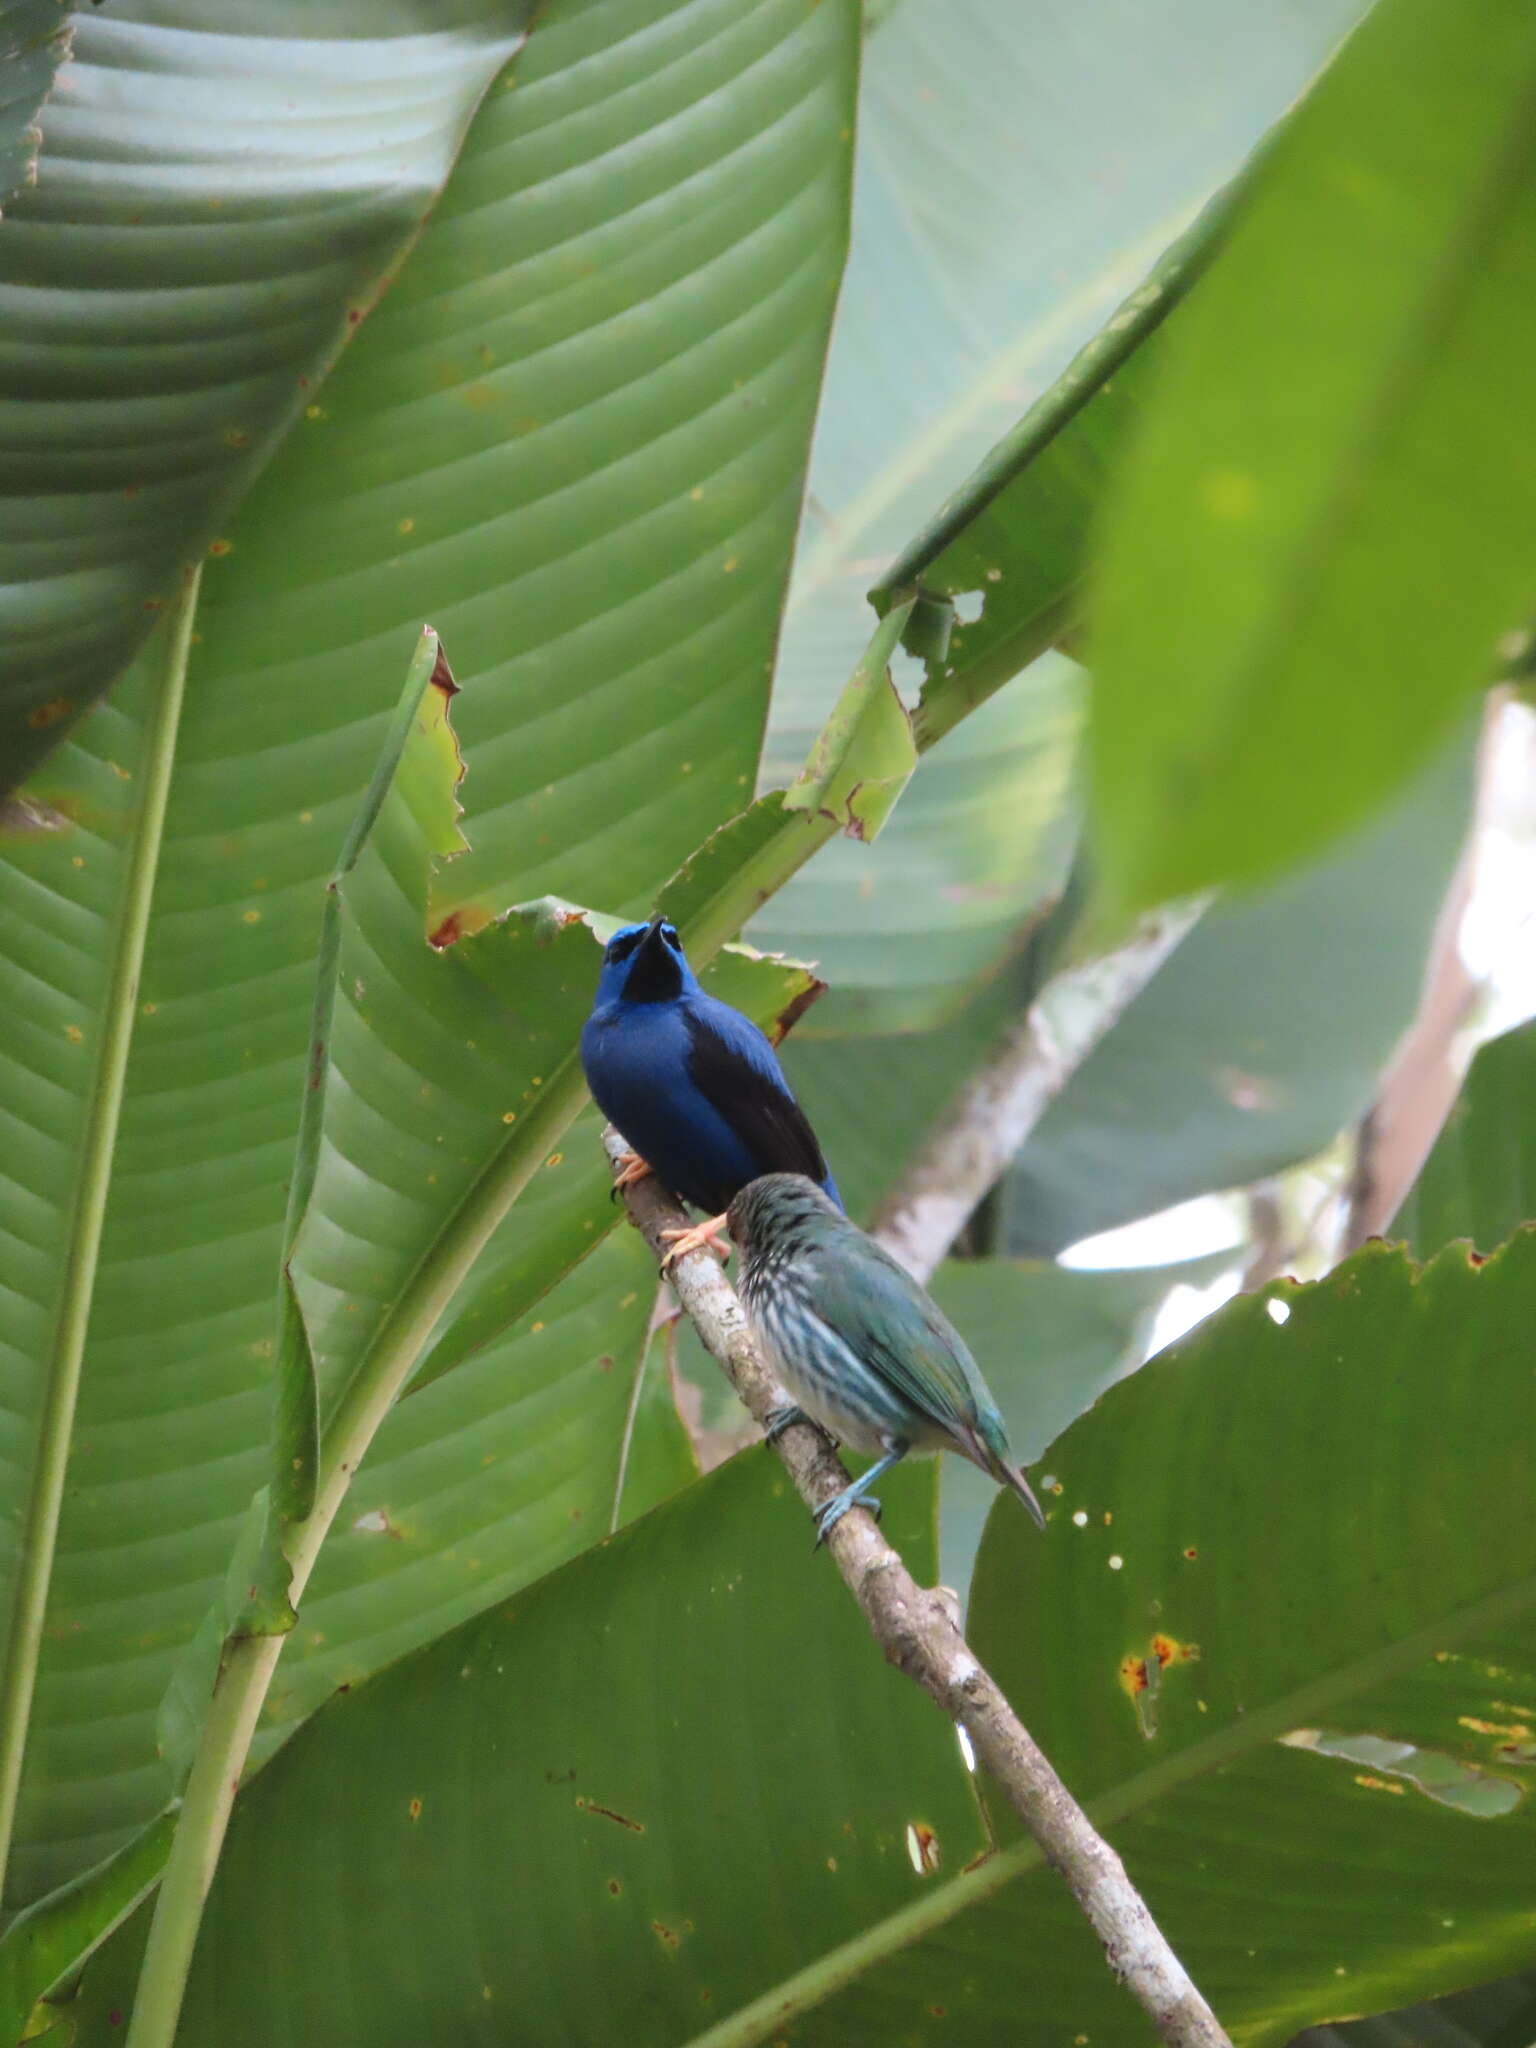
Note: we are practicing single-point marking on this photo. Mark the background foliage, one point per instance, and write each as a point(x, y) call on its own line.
point(546, 1676)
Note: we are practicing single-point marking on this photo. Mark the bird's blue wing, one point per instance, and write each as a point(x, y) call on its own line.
point(886, 1320)
point(734, 1068)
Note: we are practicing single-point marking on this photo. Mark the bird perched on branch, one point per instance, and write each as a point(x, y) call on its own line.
point(691, 1085)
point(859, 1344)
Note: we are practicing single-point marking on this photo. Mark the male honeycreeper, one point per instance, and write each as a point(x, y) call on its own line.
point(855, 1339)
point(691, 1085)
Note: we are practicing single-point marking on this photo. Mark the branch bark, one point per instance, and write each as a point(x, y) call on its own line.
point(1000, 1105)
point(920, 1634)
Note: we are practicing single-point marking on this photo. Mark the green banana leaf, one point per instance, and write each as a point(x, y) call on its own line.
point(496, 407)
point(1010, 190)
point(1340, 1585)
point(218, 204)
point(1479, 1181)
point(675, 1759)
point(1261, 1037)
point(1359, 1717)
point(1299, 455)
point(1497, 2015)
point(34, 41)
point(1049, 1340)
point(873, 1098)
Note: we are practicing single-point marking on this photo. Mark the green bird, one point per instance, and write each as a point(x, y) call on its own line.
point(863, 1349)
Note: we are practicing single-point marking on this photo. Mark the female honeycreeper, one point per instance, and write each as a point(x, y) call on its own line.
point(691, 1085)
point(858, 1342)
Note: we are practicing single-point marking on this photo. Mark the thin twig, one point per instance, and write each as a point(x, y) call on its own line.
point(919, 1633)
point(994, 1113)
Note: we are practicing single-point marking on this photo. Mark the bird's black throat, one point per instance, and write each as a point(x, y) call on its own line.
point(655, 974)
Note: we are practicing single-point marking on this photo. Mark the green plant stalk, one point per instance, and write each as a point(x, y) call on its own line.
point(245, 1672)
point(249, 1662)
point(40, 1529)
point(946, 703)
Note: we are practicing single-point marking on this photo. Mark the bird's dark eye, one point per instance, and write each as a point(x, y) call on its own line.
point(669, 933)
point(621, 947)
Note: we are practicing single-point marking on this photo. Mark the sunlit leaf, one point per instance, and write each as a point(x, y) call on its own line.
point(1351, 363)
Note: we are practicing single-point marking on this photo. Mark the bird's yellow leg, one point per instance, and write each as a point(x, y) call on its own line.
point(632, 1169)
point(703, 1236)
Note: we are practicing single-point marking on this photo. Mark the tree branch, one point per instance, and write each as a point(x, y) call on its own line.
point(919, 1633)
point(1000, 1105)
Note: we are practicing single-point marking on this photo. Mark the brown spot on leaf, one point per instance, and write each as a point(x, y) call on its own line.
point(795, 1009)
point(923, 1848)
point(44, 715)
point(21, 816)
point(636, 1827)
point(446, 933)
point(442, 674)
point(1168, 1650)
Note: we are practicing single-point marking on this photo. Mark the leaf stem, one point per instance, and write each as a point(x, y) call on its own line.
point(249, 1661)
point(40, 1529)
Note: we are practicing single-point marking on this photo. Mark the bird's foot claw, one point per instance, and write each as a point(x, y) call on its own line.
point(837, 1507)
point(780, 1419)
point(631, 1169)
point(700, 1237)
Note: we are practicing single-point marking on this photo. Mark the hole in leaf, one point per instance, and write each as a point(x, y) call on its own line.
point(1388, 1765)
point(923, 1848)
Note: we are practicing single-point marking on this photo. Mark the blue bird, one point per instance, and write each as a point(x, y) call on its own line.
point(691, 1085)
point(859, 1344)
